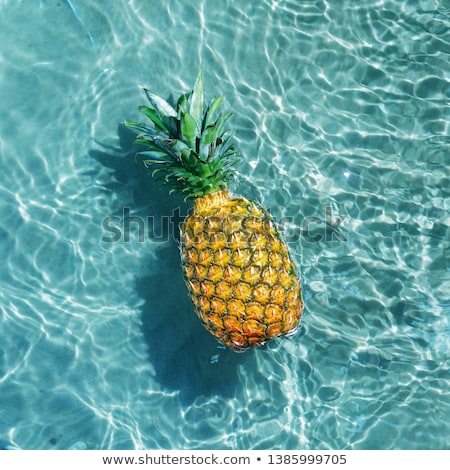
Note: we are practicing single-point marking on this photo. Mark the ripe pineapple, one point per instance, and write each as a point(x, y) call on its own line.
point(236, 267)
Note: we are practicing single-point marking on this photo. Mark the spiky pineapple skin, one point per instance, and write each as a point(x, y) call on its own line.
point(238, 271)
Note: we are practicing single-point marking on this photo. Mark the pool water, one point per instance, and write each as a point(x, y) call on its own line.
point(342, 113)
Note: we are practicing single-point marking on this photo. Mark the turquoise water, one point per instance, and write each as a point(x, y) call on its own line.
point(342, 112)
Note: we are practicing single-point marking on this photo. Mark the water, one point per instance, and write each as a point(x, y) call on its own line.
point(342, 112)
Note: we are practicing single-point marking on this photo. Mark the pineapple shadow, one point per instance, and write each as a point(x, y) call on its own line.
point(184, 356)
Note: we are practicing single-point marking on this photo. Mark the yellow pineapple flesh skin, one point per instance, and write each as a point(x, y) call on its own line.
point(238, 271)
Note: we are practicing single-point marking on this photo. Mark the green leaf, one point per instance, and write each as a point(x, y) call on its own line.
point(161, 105)
point(211, 111)
point(148, 143)
point(171, 123)
point(188, 129)
point(207, 138)
point(221, 121)
point(183, 103)
point(141, 140)
point(140, 127)
point(227, 141)
point(149, 163)
point(208, 135)
point(185, 155)
point(196, 104)
point(155, 156)
point(178, 145)
point(154, 117)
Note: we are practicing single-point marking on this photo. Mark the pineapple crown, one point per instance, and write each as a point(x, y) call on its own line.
point(189, 144)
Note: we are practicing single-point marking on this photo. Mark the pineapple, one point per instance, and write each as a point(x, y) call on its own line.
point(237, 268)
